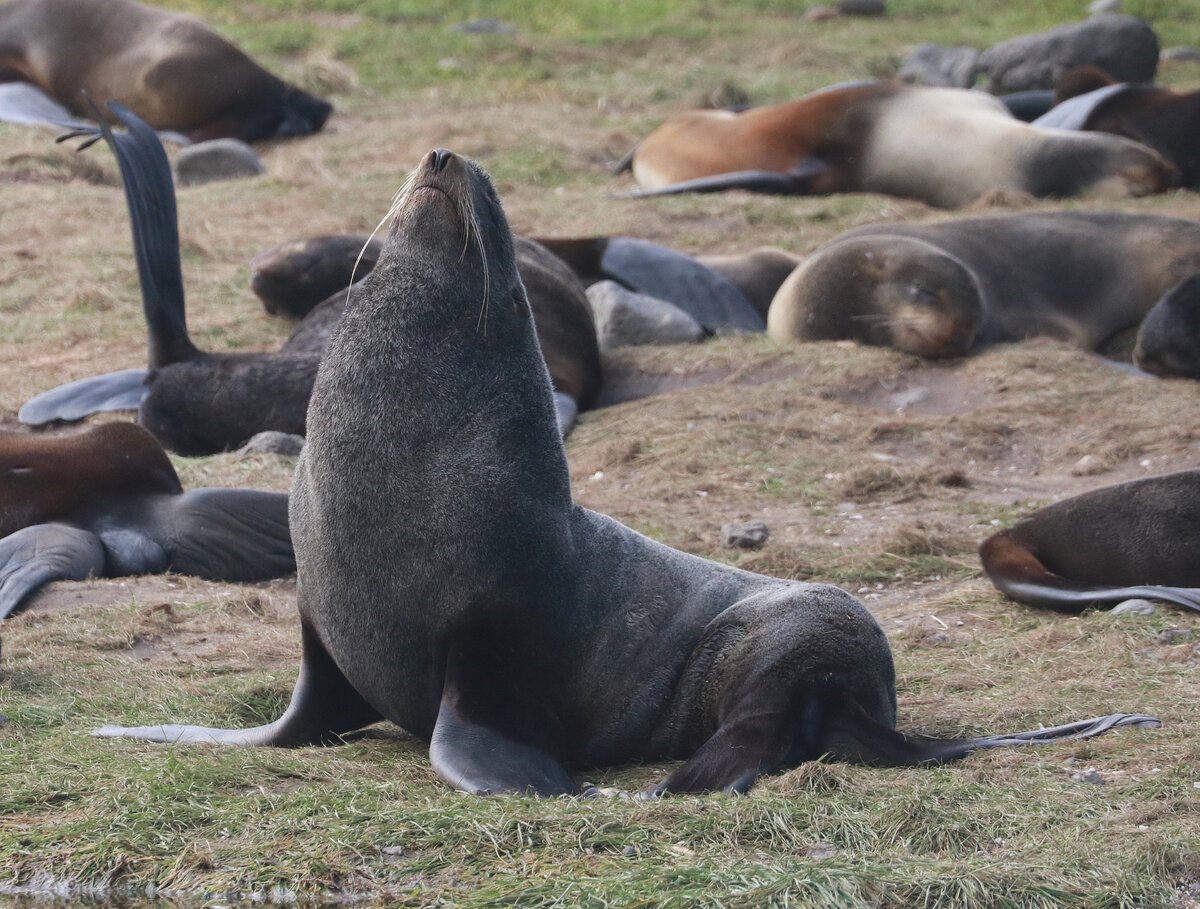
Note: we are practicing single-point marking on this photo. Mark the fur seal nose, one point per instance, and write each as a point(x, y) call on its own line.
point(441, 157)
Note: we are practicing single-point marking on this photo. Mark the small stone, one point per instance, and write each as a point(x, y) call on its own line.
point(216, 159)
point(1087, 466)
point(483, 26)
point(1087, 776)
point(820, 13)
point(862, 7)
point(821, 850)
point(746, 535)
point(1175, 635)
point(629, 850)
point(392, 850)
point(1104, 6)
point(4, 721)
point(1135, 607)
point(1184, 53)
point(271, 442)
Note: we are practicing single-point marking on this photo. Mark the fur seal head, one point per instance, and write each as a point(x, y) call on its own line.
point(889, 291)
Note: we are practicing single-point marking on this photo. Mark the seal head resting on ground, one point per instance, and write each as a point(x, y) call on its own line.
point(524, 636)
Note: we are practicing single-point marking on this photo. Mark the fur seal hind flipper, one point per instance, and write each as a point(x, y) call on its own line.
point(324, 706)
point(232, 534)
point(123, 390)
point(471, 752)
point(798, 182)
point(21, 102)
point(36, 555)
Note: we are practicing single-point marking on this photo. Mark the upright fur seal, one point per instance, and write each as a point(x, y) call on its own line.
point(107, 503)
point(197, 402)
point(945, 146)
point(522, 635)
point(944, 290)
point(1136, 539)
point(173, 71)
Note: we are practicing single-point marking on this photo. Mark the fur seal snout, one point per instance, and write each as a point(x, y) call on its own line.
point(520, 634)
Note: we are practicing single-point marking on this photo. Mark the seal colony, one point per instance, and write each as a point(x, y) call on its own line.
point(520, 634)
point(108, 503)
point(1136, 539)
point(944, 146)
point(173, 71)
point(946, 289)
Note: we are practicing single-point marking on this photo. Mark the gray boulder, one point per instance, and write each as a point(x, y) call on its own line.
point(627, 319)
point(933, 64)
point(1123, 46)
point(216, 159)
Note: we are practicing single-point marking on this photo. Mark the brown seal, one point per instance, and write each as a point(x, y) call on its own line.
point(522, 635)
point(944, 290)
point(1136, 539)
point(945, 146)
point(196, 402)
point(173, 71)
point(107, 503)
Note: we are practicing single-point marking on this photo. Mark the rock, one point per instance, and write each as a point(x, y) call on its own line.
point(1087, 776)
point(216, 159)
point(744, 535)
point(1184, 53)
point(1135, 607)
point(819, 13)
point(1175, 635)
point(862, 7)
point(821, 850)
point(271, 442)
point(1104, 6)
point(628, 319)
point(933, 64)
point(1123, 46)
point(483, 26)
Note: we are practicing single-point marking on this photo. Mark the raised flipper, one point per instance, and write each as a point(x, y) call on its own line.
point(796, 183)
point(231, 534)
point(324, 706)
point(150, 196)
point(36, 555)
point(122, 390)
point(471, 751)
point(1075, 112)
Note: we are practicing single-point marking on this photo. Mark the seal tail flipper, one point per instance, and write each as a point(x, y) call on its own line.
point(324, 706)
point(150, 197)
point(122, 390)
point(22, 102)
point(1018, 573)
point(33, 556)
point(796, 183)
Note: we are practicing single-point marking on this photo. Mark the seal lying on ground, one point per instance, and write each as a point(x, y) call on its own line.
point(522, 635)
point(196, 402)
point(1136, 539)
point(944, 290)
point(173, 71)
point(107, 503)
point(944, 146)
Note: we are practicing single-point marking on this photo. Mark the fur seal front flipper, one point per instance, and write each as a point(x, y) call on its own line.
point(520, 634)
point(795, 183)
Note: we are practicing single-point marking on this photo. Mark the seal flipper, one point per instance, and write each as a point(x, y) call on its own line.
point(324, 706)
point(33, 556)
point(122, 390)
point(798, 182)
point(475, 755)
point(232, 535)
point(23, 102)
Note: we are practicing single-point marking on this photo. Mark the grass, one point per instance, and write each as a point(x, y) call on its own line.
point(890, 505)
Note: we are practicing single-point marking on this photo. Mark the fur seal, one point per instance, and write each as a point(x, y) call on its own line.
point(107, 502)
point(1167, 121)
point(944, 146)
point(518, 633)
point(1136, 539)
point(173, 71)
point(198, 403)
point(1168, 340)
point(944, 290)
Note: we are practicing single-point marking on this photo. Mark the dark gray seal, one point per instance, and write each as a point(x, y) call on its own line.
point(1132, 540)
point(108, 503)
point(522, 635)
